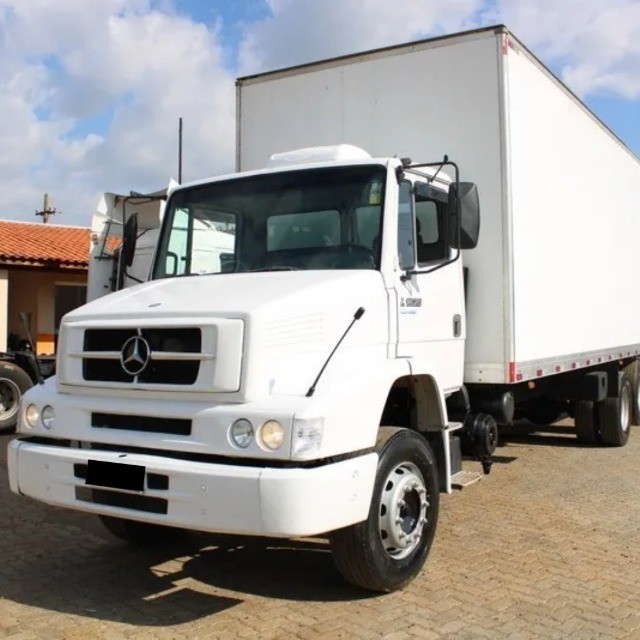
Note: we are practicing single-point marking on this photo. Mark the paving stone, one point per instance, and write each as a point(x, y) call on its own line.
point(546, 547)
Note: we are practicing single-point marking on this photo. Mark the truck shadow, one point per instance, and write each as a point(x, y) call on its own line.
point(553, 435)
point(115, 584)
point(101, 580)
point(282, 569)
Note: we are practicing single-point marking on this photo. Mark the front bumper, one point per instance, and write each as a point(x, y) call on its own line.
point(204, 496)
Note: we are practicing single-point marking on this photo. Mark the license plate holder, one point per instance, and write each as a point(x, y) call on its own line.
point(115, 475)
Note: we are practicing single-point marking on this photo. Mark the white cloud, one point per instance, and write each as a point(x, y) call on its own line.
point(117, 60)
point(303, 31)
point(596, 45)
point(167, 67)
point(91, 92)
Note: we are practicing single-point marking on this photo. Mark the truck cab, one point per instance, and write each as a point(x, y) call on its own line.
point(283, 372)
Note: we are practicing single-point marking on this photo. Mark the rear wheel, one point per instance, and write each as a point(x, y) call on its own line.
point(13, 383)
point(633, 371)
point(614, 415)
point(142, 534)
point(389, 548)
point(586, 421)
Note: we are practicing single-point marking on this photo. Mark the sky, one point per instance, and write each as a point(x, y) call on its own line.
point(91, 90)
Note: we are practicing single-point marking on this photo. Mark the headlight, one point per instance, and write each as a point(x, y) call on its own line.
point(31, 415)
point(306, 437)
point(242, 433)
point(48, 417)
point(271, 435)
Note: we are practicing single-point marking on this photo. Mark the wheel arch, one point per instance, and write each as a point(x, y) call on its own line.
point(415, 402)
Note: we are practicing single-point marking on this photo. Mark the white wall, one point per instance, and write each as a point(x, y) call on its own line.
point(33, 291)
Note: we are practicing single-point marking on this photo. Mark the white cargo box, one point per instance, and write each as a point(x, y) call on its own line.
point(552, 283)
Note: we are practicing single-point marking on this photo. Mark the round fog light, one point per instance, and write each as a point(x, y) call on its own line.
point(242, 433)
point(31, 415)
point(272, 434)
point(48, 417)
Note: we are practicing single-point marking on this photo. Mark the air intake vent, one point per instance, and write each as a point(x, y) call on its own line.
point(131, 501)
point(174, 426)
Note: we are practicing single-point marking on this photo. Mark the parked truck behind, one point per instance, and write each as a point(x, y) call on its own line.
point(326, 330)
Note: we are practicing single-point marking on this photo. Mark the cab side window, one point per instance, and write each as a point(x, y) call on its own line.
point(406, 227)
point(431, 244)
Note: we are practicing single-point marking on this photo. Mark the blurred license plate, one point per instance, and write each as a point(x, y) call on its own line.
point(115, 475)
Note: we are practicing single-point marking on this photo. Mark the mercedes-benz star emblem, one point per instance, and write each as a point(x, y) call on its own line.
point(135, 355)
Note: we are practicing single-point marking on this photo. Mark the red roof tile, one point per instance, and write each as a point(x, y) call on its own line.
point(44, 245)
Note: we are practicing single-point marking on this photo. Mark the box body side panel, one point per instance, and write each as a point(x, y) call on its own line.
point(575, 220)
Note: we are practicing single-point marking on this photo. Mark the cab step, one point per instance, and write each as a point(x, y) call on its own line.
point(464, 479)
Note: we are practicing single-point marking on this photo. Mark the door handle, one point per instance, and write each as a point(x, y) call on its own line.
point(457, 326)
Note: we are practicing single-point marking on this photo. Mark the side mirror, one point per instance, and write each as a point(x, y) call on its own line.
point(129, 238)
point(464, 213)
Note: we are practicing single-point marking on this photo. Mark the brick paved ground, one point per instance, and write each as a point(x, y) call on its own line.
point(547, 546)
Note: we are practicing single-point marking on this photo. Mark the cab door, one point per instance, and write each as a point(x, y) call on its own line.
point(429, 288)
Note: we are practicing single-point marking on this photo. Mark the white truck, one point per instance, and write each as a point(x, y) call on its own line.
point(135, 215)
point(321, 373)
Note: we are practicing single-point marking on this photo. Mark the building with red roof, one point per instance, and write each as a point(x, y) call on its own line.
point(43, 271)
point(44, 245)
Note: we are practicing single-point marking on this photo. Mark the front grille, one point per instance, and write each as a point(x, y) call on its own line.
point(131, 501)
point(169, 362)
point(184, 340)
point(105, 371)
point(174, 426)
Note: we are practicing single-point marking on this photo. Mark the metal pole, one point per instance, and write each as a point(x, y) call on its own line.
point(180, 151)
point(47, 211)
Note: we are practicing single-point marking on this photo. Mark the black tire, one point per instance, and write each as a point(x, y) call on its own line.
point(633, 371)
point(364, 553)
point(586, 421)
point(142, 534)
point(614, 415)
point(14, 382)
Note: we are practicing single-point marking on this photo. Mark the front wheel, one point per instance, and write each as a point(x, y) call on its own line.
point(389, 548)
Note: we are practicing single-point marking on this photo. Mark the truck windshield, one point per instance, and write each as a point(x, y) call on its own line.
point(310, 219)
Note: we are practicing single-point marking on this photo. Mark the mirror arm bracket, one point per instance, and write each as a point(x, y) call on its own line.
point(411, 272)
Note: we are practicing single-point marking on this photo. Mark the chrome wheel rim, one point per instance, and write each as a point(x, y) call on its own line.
point(403, 510)
point(625, 409)
point(9, 398)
